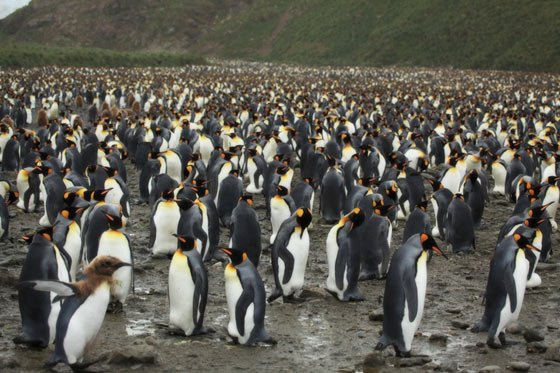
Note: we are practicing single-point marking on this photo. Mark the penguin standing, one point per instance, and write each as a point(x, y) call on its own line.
point(229, 192)
point(499, 174)
point(475, 192)
point(83, 309)
point(550, 195)
point(246, 300)
point(405, 293)
point(245, 230)
point(28, 183)
point(505, 288)
point(333, 193)
point(67, 235)
point(164, 221)
point(281, 207)
point(417, 222)
point(375, 242)
point(289, 254)
point(39, 311)
point(116, 244)
point(187, 288)
point(4, 214)
point(459, 227)
point(343, 257)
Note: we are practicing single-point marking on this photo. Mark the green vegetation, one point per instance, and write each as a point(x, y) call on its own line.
point(31, 55)
point(476, 34)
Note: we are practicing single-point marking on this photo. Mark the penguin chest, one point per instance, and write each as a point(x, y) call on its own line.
point(234, 289)
point(279, 211)
point(115, 194)
point(166, 218)
point(332, 253)
point(552, 196)
point(84, 324)
point(181, 294)
point(115, 243)
point(73, 245)
point(451, 180)
point(173, 163)
point(408, 326)
point(520, 278)
point(499, 174)
point(299, 248)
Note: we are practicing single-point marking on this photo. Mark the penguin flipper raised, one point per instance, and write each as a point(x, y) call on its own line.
point(410, 294)
point(62, 289)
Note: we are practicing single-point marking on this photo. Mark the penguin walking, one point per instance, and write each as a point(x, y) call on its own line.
point(187, 289)
point(245, 230)
point(405, 293)
point(84, 304)
point(246, 300)
point(116, 244)
point(505, 288)
point(459, 227)
point(164, 222)
point(39, 311)
point(343, 257)
point(289, 254)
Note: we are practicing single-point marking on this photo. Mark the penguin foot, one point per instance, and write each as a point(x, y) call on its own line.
point(492, 343)
point(21, 340)
point(276, 294)
point(380, 346)
point(293, 299)
point(203, 330)
point(176, 331)
point(399, 353)
point(82, 367)
point(115, 308)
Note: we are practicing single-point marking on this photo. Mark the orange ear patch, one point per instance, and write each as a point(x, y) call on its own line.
point(424, 237)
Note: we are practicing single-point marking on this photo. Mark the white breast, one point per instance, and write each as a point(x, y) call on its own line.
point(115, 243)
point(181, 294)
point(166, 219)
point(299, 248)
point(279, 211)
point(409, 327)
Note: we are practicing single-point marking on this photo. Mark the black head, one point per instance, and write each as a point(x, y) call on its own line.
point(524, 241)
point(552, 180)
point(428, 243)
point(538, 211)
point(185, 203)
point(46, 232)
point(281, 191)
point(236, 256)
point(70, 212)
point(534, 222)
point(167, 194)
point(185, 243)
point(304, 217)
point(356, 217)
point(247, 198)
point(115, 221)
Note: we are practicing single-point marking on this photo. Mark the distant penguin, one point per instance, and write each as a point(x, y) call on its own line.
point(229, 192)
point(39, 311)
point(440, 201)
point(514, 169)
point(83, 309)
point(117, 244)
point(459, 227)
point(303, 193)
point(118, 193)
point(246, 300)
point(375, 242)
point(289, 254)
point(4, 214)
point(281, 207)
point(164, 221)
point(505, 289)
point(343, 257)
point(256, 166)
point(333, 193)
point(550, 195)
point(245, 230)
point(10, 155)
point(187, 289)
point(474, 190)
point(54, 189)
point(405, 293)
point(417, 222)
point(451, 177)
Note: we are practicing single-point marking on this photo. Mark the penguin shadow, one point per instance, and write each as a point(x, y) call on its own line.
point(166, 330)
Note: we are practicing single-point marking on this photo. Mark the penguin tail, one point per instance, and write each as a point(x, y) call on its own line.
point(380, 346)
point(276, 294)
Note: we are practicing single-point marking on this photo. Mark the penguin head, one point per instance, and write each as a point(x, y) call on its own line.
point(382, 209)
point(459, 196)
point(304, 217)
point(552, 180)
point(436, 185)
point(247, 198)
point(282, 170)
point(110, 171)
point(234, 172)
point(537, 211)
point(185, 242)
point(281, 191)
point(524, 238)
point(236, 256)
point(428, 243)
point(104, 266)
point(422, 205)
point(70, 212)
point(356, 217)
point(534, 222)
point(310, 181)
point(46, 232)
point(96, 195)
point(167, 194)
point(115, 221)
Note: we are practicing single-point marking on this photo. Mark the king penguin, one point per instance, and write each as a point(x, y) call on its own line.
point(187, 289)
point(405, 293)
point(163, 224)
point(289, 254)
point(245, 230)
point(246, 300)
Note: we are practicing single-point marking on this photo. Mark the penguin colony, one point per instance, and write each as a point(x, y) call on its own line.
point(207, 141)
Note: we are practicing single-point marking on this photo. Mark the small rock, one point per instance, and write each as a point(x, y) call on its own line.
point(490, 368)
point(459, 324)
point(439, 338)
point(553, 352)
point(151, 341)
point(372, 362)
point(536, 348)
point(146, 265)
point(376, 316)
point(313, 292)
point(520, 366)
point(431, 366)
point(453, 310)
point(130, 355)
point(412, 362)
point(450, 366)
point(533, 335)
point(515, 328)
point(548, 266)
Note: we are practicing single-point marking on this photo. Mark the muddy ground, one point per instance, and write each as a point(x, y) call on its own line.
point(321, 334)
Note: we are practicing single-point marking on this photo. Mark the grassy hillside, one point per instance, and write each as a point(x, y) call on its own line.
point(480, 34)
point(32, 55)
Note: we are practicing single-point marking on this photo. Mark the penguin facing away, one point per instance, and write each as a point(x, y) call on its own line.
point(405, 293)
point(246, 300)
point(245, 230)
point(84, 304)
point(187, 289)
